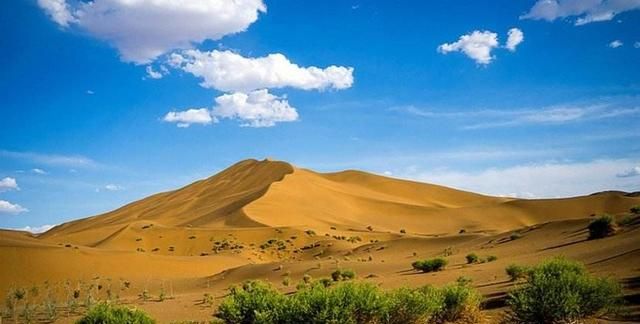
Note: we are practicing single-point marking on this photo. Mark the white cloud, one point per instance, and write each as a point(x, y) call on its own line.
point(191, 116)
point(36, 229)
point(50, 159)
point(255, 109)
point(586, 11)
point(538, 180)
point(632, 172)
point(90, 92)
point(142, 30)
point(9, 208)
point(229, 71)
point(515, 37)
point(58, 10)
point(636, 45)
point(113, 187)
point(38, 171)
point(8, 183)
point(560, 114)
point(615, 44)
point(477, 45)
point(153, 74)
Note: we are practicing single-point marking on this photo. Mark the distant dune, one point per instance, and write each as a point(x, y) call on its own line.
point(257, 217)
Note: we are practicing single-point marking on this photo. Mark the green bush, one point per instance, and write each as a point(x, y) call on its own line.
point(253, 302)
point(602, 226)
point(349, 302)
point(635, 209)
point(106, 313)
point(346, 274)
point(460, 302)
point(561, 291)
point(514, 236)
point(516, 272)
point(431, 265)
point(406, 305)
point(472, 258)
point(492, 258)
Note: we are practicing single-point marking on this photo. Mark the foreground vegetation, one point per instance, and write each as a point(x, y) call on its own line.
point(349, 302)
point(561, 291)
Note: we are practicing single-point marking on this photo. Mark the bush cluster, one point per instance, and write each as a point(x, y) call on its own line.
point(602, 226)
point(107, 313)
point(349, 302)
point(516, 272)
point(430, 265)
point(343, 274)
point(561, 291)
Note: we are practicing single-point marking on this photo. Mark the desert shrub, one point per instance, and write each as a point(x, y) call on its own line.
point(336, 275)
point(516, 272)
point(431, 265)
point(349, 302)
point(286, 281)
point(514, 236)
point(106, 313)
point(348, 274)
point(403, 231)
point(472, 258)
point(406, 305)
point(492, 258)
point(460, 302)
point(602, 226)
point(561, 291)
point(635, 209)
point(307, 278)
point(253, 302)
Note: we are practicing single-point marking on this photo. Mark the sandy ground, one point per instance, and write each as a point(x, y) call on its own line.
point(269, 220)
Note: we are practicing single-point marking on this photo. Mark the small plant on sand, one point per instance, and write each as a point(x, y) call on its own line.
point(562, 291)
point(472, 258)
point(602, 226)
point(207, 300)
point(286, 281)
point(514, 236)
point(370, 228)
point(492, 258)
point(430, 265)
point(343, 274)
point(403, 231)
point(516, 272)
point(310, 232)
point(635, 209)
point(105, 313)
point(307, 278)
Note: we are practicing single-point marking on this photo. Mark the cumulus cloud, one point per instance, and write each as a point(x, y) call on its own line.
point(515, 37)
point(8, 183)
point(185, 118)
point(58, 10)
point(615, 44)
point(477, 45)
point(255, 109)
point(229, 71)
point(9, 208)
point(153, 74)
point(586, 11)
point(142, 30)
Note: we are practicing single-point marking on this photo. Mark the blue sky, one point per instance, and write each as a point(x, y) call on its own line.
point(103, 103)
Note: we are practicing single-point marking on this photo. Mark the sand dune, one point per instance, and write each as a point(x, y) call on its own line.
point(261, 219)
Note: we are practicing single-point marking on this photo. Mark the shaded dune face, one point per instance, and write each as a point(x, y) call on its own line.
point(268, 193)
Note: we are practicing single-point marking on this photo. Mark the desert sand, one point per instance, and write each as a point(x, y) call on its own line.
point(269, 219)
